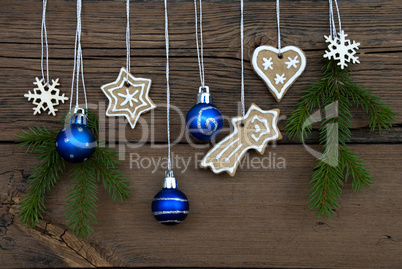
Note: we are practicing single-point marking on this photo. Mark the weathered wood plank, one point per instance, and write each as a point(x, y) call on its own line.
point(104, 53)
point(259, 218)
point(183, 97)
point(369, 19)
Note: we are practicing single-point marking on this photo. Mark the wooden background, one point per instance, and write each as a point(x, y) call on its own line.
point(259, 218)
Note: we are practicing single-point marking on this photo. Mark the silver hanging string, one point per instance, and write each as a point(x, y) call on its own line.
point(75, 65)
point(43, 33)
point(78, 62)
point(332, 24)
point(167, 85)
point(79, 58)
point(83, 83)
point(339, 15)
point(128, 60)
point(331, 19)
point(242, 57)
point(200, 46)
point(279, 27)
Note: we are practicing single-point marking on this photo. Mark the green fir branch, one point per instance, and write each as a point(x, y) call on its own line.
point(46, 175)
point(81, 200)
point(334, 94)
point(300, 118)
point(37, 137)
point(381, 116)
point(92, 121)
point(105, 161)
point(326, 189)
point(354, 167)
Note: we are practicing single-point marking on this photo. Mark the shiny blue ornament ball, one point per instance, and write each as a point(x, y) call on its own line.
point(170, 206)
point(75, 143)
point(204, 121)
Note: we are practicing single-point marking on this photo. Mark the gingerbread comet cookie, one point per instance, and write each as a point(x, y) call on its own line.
point(254, 131)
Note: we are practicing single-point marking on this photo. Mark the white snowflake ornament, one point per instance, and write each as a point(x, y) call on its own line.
point(342, 49)
point(46, 99)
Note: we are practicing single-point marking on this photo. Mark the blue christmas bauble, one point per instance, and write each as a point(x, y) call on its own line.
point(170, 206)
point(204, 121)
point(75, 143)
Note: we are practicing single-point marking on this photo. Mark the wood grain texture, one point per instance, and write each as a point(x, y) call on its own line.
point(259, 218)
point(104, 54)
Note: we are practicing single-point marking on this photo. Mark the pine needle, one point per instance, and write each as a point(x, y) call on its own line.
point(36, 138)
point(81, 199)
point(46, 176)
point(334, 94)
point(104, 161)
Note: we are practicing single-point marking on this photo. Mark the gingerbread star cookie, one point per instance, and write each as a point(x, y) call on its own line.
point(128, 96)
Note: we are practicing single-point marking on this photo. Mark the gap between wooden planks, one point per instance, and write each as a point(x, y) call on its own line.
point(374, 24)
point(259, 218)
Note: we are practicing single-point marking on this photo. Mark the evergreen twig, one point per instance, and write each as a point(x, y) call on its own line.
point(380, 116)
point(81, 198)
point(46, 175)
point(334, 94)
point(104, 161)
point(38, 137)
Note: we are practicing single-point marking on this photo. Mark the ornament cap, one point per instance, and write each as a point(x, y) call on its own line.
point(204, 97)
point(169, 181)
point(79, 116)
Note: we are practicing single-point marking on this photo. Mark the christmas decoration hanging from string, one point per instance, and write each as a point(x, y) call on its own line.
point(170, 206)
point(251, 131)
point(128, 95)
point(278, 67)
point(339, 48)
point(46, 96)
point(75, 143)
point(204, 120)
point(335, 93)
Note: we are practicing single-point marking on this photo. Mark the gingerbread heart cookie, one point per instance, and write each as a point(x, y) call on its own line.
point(278, 71)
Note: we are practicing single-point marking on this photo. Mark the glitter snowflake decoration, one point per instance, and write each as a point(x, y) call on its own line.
point(342, 49)
point(46, 99)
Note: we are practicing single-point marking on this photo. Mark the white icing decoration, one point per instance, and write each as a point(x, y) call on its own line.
point(258, 148)
point(292, 62)
point(267, 63)
point(258, 129)
point(280, 92)
point(129, 97)
point(143, 98)
point(280, 79)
